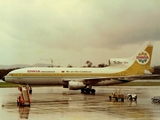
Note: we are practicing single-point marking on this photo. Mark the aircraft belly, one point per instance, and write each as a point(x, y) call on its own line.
point(45, 81)
point(36, 81)
point(108, 82)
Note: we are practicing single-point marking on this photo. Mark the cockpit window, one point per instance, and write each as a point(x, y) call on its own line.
point(10, 74)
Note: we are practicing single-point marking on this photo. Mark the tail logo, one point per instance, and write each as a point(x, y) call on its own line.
point(143, 58)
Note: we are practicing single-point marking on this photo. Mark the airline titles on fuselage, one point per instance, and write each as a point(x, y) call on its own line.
point(39, 71)
point(78, 71)
point(119, 62)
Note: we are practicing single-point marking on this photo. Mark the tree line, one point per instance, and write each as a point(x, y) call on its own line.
point(4, 72)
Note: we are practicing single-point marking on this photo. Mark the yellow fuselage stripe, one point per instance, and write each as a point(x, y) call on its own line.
point(64, 74)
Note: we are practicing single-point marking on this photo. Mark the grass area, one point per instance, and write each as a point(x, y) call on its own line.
point(140, 84)
point(3, 84)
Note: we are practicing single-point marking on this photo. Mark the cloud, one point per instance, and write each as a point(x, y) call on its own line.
point(59, 25)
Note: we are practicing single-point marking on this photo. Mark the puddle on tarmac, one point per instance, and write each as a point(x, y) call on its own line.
point(61, 104)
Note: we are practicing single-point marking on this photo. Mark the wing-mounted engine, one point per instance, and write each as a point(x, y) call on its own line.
point(118, 62)
point(76, 85)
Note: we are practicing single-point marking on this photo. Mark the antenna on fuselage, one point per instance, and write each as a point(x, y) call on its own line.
point(52, 61)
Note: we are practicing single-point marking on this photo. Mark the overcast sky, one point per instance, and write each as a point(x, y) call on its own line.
point(76, 30)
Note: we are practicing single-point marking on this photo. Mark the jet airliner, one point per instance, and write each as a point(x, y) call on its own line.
point(120, 70)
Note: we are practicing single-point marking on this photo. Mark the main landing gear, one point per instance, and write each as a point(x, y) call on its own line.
point(88, 91)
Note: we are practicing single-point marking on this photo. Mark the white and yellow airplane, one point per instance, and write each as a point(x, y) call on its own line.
point(118, 71)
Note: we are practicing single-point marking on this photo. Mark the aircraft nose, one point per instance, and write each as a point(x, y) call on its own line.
point(3, 78)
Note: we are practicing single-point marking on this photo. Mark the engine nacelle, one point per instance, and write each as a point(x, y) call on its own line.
point(76, 85)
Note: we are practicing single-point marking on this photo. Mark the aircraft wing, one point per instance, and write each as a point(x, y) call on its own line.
point(123, 79)
point(147, 76)
point(118, 78)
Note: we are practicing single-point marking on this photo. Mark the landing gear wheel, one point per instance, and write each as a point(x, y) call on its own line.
point(93, 91)
point(83, 90)
point(88, 91)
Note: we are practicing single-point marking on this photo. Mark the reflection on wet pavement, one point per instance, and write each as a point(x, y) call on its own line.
point(24, 112)
point(61, 104)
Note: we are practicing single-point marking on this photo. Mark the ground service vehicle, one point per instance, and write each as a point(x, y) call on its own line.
point(132, 97)
point(116, 96)
point(156, 99)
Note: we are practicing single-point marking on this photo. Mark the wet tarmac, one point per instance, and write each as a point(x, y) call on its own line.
point(57, 103)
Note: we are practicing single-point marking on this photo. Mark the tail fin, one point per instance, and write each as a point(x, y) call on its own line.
point(142, 60)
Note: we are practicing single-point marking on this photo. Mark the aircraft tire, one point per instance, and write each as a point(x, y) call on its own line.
point(83, 90)
point(88, 91)
point(93, 91)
